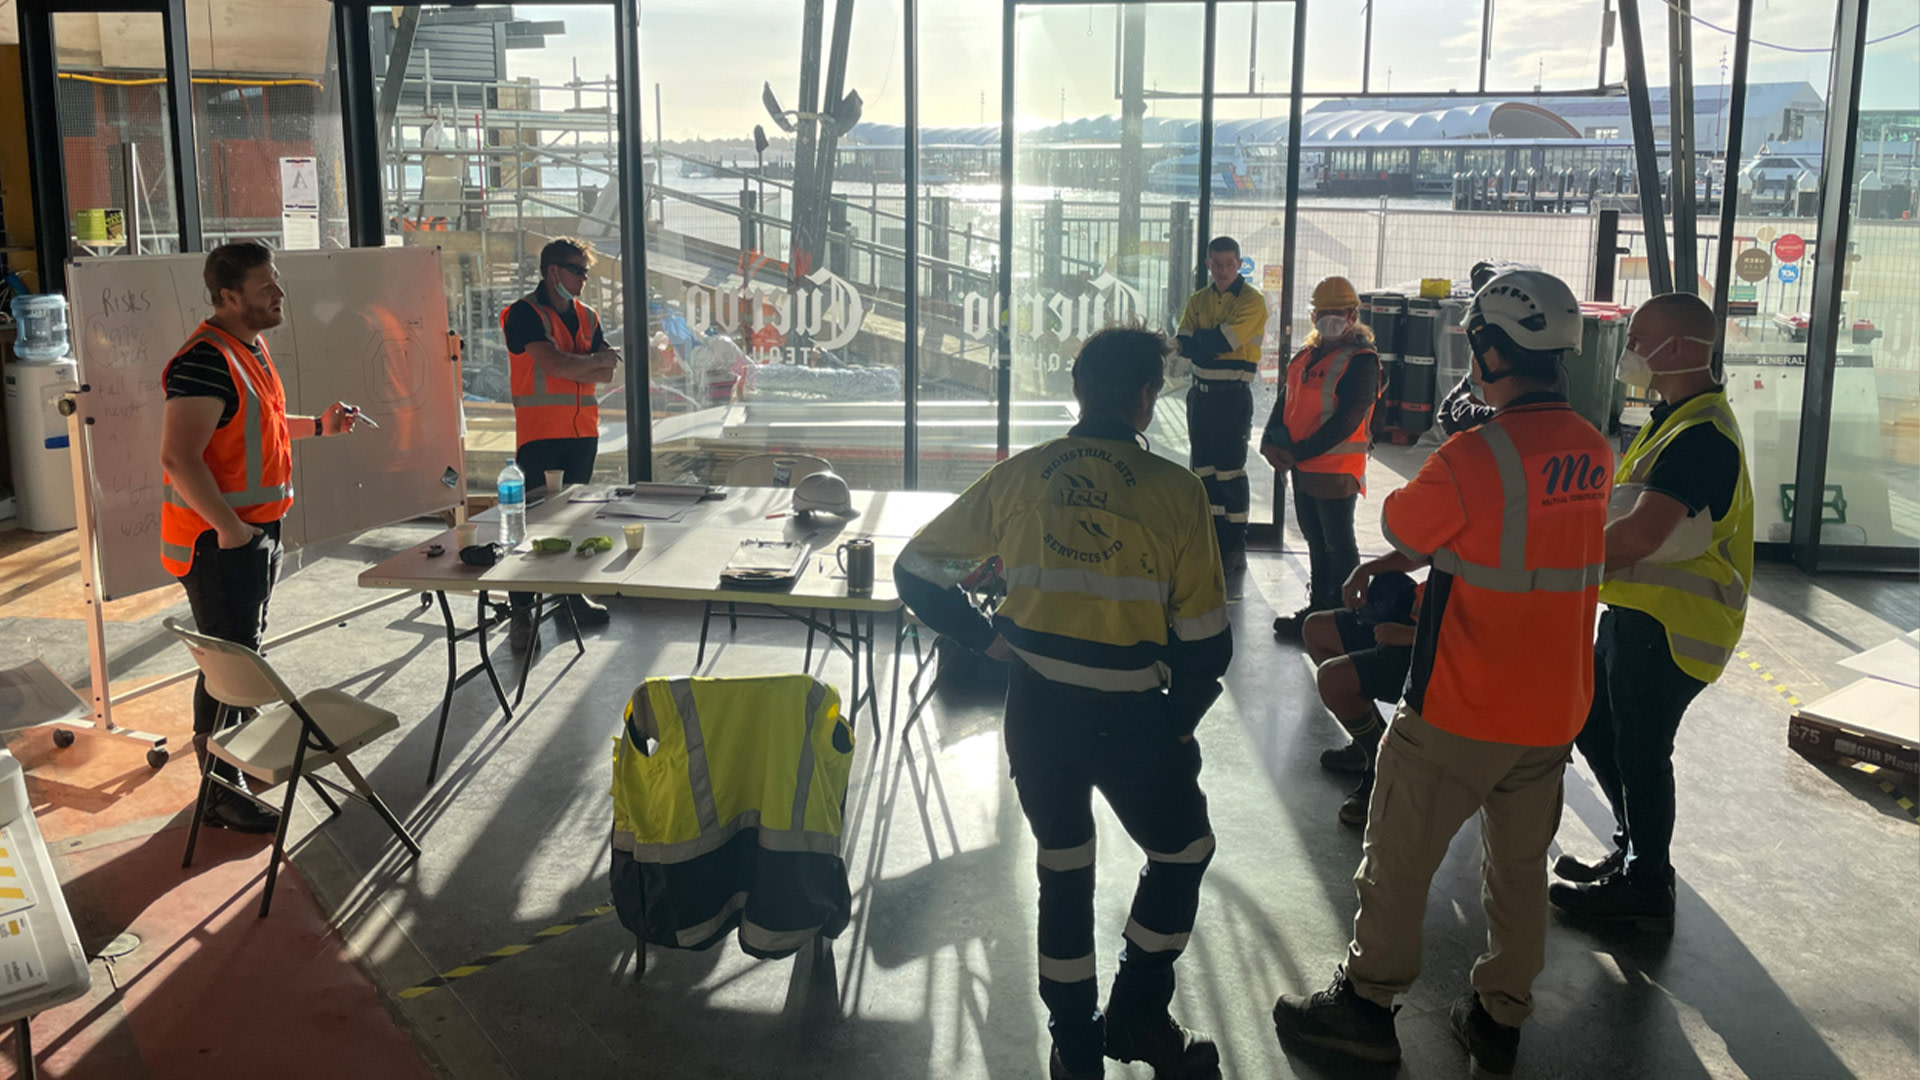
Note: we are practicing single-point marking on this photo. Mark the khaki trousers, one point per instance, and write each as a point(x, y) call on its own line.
point(1430, 782)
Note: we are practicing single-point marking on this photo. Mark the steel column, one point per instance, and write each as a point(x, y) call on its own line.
point(186, 156)
point(1829, 271)
point(1729, 187)
point(1681, 144)
point(633, 239)
point(39, 72)
point(1003, 382)
point(1204, 175)
point(1659, 272)
point(910, 172)
point(359, 123)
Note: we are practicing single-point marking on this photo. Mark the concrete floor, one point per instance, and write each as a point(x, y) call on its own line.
point(1794, 956)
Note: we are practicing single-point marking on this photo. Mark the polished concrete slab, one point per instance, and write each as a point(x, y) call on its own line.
point(1794, 954)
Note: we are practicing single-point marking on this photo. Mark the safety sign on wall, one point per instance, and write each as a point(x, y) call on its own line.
point(299, 204)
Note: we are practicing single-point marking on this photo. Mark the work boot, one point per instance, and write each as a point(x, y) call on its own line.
point(1339, 1020)
point(228, 810)
point(1288, 627)
point(588, 612)
point(1490, 1044)
point(1583, 872)
point(1351, 758)
point(521, 630)
point(1173, 1051)
point(1058, 1070)
point(1354, 810)
point(1617, 898)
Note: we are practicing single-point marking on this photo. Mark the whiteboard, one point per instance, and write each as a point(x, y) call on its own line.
point(367, 326)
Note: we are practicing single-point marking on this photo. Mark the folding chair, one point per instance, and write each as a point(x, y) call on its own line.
point(294, 737)
point(763, 470)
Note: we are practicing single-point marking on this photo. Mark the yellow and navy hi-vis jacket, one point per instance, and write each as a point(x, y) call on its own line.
point(1113, 574)
point(1223, 332)
point(727, 803)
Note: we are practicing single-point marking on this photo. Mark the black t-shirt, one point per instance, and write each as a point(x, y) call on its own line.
point(202, 372)
point(524, 326)
point(1701, 467)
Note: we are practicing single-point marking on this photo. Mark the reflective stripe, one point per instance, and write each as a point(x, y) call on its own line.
point(759, 937)
point(1512, 574)
point(252, 434)
point(1218, 510)
point(250, 497)
point(1154, 941)
point(1222, 374)
point(1336, 367)
point(694, 935)
point(1351, 446)
point(540, 396)
point(1644, 465)
point(176, 552)
point(1079, 969)
point(1201, 627)
point(709, 842)
point(1224, 474)
point(1091, 582)
point(1233, 336)
point(1730, 594)
point(1203, 470)
point(1704, 651)
point(698, 776)
point(1116, 680)
point(1239, 518)
point(1063, 860)
point(803, 783)
point(1197, 852)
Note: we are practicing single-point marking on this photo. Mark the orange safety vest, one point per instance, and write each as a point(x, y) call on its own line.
point(547, 406)
point(1311, 402)
point(1505, 646)
point(250, 456)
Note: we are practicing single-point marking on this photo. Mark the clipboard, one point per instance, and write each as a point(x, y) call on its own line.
point(766, 564)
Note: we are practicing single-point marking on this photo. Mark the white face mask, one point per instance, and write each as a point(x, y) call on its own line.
point(1331, 326)
point(565, 296)
point(1636, 368)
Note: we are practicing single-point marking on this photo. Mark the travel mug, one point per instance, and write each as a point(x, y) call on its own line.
point(856, 561)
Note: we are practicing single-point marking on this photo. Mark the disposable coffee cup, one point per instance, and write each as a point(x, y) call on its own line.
point(556, 479)
point(636, 535)
point(466, 535)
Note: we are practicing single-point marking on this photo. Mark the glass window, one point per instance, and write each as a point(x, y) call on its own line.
point(503, 138)
point(776, 289)
point(115, 128)
point(1421, 45)
point(1551, 46)
point(267, 131)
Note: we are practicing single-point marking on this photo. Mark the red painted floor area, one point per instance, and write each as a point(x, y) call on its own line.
point(212, 990)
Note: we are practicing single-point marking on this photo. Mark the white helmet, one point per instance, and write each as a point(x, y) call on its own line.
point(1533, 307)
point(823, 493)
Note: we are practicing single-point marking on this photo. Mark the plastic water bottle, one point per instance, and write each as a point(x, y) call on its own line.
point(511, 486)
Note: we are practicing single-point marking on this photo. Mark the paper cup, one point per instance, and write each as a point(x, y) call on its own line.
point(466, 535)
point(636, 535)
point(556, 479)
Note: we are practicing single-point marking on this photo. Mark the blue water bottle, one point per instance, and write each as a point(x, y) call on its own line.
point(511, 486)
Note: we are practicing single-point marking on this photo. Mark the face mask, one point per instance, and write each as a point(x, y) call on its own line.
point(1331, 326)
point(561, 292)
point(1636, 368)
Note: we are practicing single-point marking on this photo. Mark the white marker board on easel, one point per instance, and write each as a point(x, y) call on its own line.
point(367, 326)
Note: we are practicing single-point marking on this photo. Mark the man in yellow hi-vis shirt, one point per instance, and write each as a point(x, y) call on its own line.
point(1115, 627)
point(1221, 332)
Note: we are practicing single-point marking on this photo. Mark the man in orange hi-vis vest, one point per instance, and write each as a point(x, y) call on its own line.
point(1511, 517)
point(557, 353)
point(226, 448)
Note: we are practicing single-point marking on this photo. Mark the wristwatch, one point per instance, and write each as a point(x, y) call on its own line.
point(317, 433)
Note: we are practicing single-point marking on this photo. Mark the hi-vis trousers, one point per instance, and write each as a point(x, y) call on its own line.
point(1063, 742)
point(1219, 423)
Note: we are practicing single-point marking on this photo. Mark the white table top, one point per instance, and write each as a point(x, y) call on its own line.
point(41, 948)
point(681, 560)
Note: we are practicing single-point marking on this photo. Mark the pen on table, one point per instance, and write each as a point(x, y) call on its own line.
point(360, 416)
point(781, 514)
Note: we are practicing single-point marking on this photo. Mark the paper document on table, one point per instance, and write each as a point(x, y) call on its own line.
point(648, 509)
point(21, 968)
point(766, 562)
point(16, 892)
point(32, 694)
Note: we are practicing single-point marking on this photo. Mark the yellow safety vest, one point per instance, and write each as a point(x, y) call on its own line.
point(727, 803)
point(1240, 314)
point(1701, 601)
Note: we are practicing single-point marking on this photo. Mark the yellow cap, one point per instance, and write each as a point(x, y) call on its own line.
point(1334, 294)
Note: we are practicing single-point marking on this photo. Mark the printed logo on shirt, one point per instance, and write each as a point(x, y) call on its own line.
point(1102, 543)
point(1080, 491)
point(1567, 481)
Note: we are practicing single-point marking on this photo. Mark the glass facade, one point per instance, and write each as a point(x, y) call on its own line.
point(771, 206)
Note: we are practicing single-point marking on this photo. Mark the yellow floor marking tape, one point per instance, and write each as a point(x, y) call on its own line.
point(474, 967)
point(1912, 809)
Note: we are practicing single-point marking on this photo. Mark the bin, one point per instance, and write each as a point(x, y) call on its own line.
point(1592, 375)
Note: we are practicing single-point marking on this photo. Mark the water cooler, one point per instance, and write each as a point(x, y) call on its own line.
point(43, 371)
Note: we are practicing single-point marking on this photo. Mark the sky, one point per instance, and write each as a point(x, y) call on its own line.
point(710, 60)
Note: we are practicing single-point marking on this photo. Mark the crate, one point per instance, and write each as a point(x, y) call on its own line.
point(1818, 739)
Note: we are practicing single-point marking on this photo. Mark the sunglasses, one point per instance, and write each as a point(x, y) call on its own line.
point(574, 268)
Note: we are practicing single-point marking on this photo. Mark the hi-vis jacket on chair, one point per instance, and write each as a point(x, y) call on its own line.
point(1701, 601)
point(727, 801)
point(250, 456)
point(546, 406)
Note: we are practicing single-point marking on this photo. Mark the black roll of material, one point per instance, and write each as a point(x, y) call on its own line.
point(1422, 326)
point(1417, 386)
point(1387, 315)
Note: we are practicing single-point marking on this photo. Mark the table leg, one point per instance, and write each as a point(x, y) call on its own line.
point(23, 1037)
point(453, 680)
point(486, 659)
point(873, 686)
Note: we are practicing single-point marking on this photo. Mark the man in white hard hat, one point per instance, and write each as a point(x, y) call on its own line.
point(1511, 518)
point(1670, 627)
point(1221, 333)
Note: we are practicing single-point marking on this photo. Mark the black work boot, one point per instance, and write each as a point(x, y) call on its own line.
point(588, 612)
point(1617, 898)
point(1583, 872)
point(1490, 1044)
point(1174, 1052)
point(1354, 810)
point(1340, 1020)
point(1288, 627)
point(228, 809)
point(1057, 1069)
point(1351, 758)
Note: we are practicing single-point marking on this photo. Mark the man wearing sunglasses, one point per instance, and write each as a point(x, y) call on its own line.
point(557, 354)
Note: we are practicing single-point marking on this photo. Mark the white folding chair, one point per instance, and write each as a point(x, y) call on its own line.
point(290, 739)
point(763, 470)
